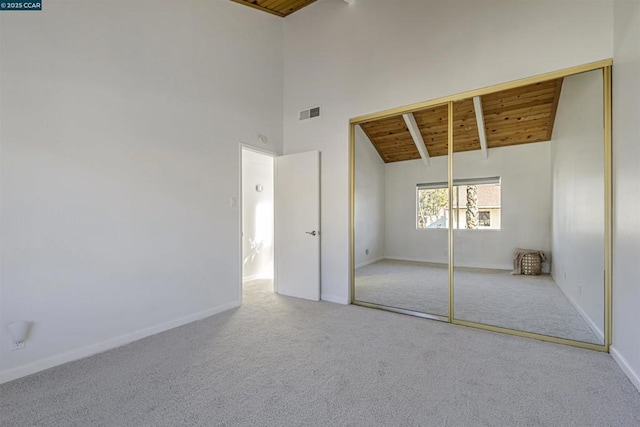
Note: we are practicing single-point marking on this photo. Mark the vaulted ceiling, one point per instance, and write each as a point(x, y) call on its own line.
point(280, 8)
point(516, 116)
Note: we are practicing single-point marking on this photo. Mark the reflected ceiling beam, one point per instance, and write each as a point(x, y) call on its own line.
point(414, 130)
point(477, 105)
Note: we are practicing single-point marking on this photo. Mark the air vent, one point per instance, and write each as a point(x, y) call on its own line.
point(311, 113)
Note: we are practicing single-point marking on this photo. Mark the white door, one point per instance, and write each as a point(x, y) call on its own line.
point(297, 225)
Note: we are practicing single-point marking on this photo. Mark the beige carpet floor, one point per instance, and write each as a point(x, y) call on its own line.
point(279, 361)
point(493, 297)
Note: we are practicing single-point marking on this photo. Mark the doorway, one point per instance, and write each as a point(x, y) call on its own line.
point(257, 196)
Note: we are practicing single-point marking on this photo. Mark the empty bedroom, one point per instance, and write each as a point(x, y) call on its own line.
point(319, 212)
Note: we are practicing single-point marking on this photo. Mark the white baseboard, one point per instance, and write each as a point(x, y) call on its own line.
point(369, 261)
point(485, 266)
point(334, 298)
point(90, 350)
point(592, 325)
point(397, 258)
point(625, 366)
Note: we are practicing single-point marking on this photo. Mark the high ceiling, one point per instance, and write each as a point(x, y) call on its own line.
point(516, 116)
point(280, 8)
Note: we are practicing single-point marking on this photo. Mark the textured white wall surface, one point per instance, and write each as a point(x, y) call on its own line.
point(626, 181)
point(526, 219)
point(577, 155)
point(369, 201)
point(121, 123)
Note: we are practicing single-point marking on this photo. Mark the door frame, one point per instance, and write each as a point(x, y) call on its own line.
point(603, 65)
point(273, 155)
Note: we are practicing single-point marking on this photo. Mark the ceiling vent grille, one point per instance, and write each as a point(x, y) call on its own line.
point(311, 113)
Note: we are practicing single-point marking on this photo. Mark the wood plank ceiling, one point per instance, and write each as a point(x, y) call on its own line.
point(516, 116)
point(280, 8)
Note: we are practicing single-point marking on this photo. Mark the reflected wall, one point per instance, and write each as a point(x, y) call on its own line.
point(552, 205)
point(400, 227)
point(440, 235)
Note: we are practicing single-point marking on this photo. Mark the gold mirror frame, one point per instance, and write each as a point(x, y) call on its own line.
point(605, 66)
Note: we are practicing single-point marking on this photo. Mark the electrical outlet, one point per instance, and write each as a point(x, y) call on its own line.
point(366, 251)
point(17, 346)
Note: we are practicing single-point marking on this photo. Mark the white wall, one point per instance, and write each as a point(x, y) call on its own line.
point(578, 196)
point(379, 54)
point(626, 181)
point(120, 129)
point(369, 201)
point(526, 217)
point(257, 216)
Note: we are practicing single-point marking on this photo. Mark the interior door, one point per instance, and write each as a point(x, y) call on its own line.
point(297, 225)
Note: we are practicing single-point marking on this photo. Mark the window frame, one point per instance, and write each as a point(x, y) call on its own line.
point(493, 180)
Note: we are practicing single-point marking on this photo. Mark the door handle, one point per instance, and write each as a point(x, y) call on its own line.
point(313, 233)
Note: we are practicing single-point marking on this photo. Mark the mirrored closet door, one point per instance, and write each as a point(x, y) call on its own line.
point(400, 212)
point(491, 208)
point(400, 219)
point(529, 242)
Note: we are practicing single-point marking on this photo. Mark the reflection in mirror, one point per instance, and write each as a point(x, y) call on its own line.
point(529, 208)
point(400, 224)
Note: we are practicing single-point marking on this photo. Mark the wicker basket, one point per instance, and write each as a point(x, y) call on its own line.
point(531, 265)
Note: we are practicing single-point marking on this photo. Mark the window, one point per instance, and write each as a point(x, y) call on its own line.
point(433, 207)
point(476, 204)
point(484, 218)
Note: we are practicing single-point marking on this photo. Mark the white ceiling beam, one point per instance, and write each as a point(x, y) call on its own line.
point(414, 130)
point(477, 105)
